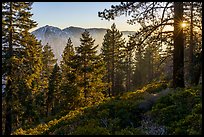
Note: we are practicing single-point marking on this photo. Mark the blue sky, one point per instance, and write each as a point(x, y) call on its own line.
point(79, 14)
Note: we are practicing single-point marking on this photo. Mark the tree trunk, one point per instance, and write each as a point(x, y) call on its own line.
point(109, 77)
point(197, 69)
point(8, 124)
point(48, 106)
point(48, 110)
point(191, 71)
point(113, 69)
point(178, 55)
point(128, 87)
point(85, 86)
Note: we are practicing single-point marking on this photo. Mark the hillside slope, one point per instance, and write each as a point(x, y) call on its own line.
point(153, 110)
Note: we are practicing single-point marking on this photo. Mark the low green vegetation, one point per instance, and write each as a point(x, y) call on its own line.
point(179, 112)
point(155, 87)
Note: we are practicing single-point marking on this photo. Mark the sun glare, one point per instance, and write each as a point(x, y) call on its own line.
point(183, 24)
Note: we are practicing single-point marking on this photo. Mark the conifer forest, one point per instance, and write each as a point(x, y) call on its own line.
point(150, 84)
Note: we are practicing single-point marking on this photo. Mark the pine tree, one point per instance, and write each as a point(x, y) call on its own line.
point(151, 59)
point(138, 79)
point(144, 14)
point(90, 71)
point(69, 75)
point(16, 19)
point(106, 50)
point(29, 76)
point(112, 54)
point(53, 95)
point(192, 32)
point(129, 47)
point(48, 61)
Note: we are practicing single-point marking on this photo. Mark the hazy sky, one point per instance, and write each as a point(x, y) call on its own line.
point(79, 14)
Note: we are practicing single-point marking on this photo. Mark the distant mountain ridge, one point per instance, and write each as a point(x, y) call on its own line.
point(57, 38)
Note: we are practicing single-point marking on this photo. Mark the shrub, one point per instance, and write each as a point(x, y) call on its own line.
point(155, 87)
point(91, 130)
point(91, 127)
point(180, 111)
point(129, 131)
point(190, 125)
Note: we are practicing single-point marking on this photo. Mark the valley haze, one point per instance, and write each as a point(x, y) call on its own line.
point(57, 38)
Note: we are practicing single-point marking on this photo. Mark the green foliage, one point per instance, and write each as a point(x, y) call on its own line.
point(139, 94)
point(48, 61)
point(105, 118)
point(155, 87)
point(69, 91)
point(53, 95)
point(90, 70)
point(112, 55)
point(22, 63)
point(51, 125)
point(129, 131)
point(91, 127)
point(190, 125)
point(180, 111)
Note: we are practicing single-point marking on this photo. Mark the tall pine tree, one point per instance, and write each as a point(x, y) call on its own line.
point(48, 61)
point(90, 70)
point(29, 77)
point(112, 54)
point(53, 94)
point(68, 66)
point(16, 22)
point(128, 64)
